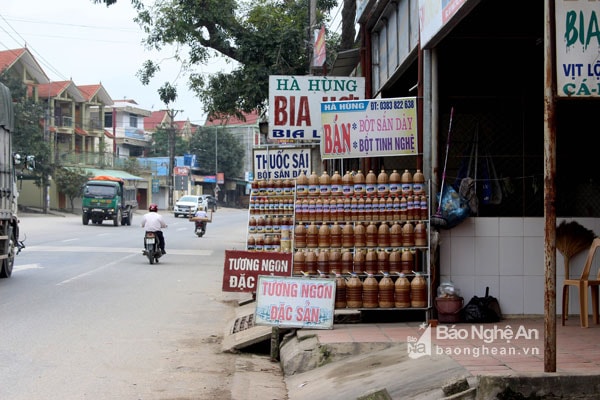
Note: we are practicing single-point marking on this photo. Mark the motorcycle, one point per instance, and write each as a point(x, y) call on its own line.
point(151, 247)
point(199, 228)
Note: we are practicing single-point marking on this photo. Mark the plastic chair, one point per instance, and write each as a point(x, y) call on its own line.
point(583, 283)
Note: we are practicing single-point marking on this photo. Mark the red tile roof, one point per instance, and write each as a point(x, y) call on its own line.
point(88, 91)
point(156, 118)
point(52, 89)
point(9, 57)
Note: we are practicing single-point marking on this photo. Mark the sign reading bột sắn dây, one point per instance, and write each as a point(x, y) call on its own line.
point(295, 302)
point(242, 268)
point(369, 128)
point(294, 103)
point(282, 163)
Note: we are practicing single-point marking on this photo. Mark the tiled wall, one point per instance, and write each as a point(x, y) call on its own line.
point(506, 254)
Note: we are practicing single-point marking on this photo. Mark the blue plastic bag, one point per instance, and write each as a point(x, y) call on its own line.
point(453, 208)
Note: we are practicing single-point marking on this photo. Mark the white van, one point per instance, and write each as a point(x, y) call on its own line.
point(187, 205)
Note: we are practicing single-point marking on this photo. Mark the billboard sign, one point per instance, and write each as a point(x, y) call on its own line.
point(369, 128)
point(294, 103)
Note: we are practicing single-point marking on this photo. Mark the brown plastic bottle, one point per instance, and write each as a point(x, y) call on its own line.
point(250, 243)
point(324, 238)
point(347, 261)
point(302, 185)
point(395, 261)
point(313, 184)
point(354, 292)
point(336, 184)
point(383, 184)
point(383, 235)
point(298, 262)
point(324, 184)
point(335, 234)
point(340, 291)
point(360, 235)
point(395, 184)
point(418, 291)
point(348, 235)
point(259, 243)
point(323, 261)
point(386, 292)
point(252, 225)
point(359, 183)
point(371, 262)
point(418, 183)
point(348, 184)
point(359, 260)
point(408, 234)
point(383, 264)
point(396, 235)
point(371, 184)
point(268, 243)
point(372, 235)
point(406, 181)
point(407, 262)
point(312, 235)
point(402, 292)
point(403, 209)
point(420, 234)
point(318, 210)
point(300, 236)
point(370, 292)
point(335, 260)
point(310, 262)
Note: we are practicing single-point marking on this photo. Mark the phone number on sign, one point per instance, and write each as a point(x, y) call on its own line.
point(393, 105)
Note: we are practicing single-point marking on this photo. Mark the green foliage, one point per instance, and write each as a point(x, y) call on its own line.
point(70, 182)
point(261, 37)
point(160, 144)
point(28, 135)
point(229, 151)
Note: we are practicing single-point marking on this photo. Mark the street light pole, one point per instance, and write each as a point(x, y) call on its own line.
point(171, 135)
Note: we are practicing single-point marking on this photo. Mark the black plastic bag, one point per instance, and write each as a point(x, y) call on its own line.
point(482, 309)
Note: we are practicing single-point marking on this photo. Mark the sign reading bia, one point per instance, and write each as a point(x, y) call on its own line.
point(242, 268)
point(286, 163)
point(295, 103)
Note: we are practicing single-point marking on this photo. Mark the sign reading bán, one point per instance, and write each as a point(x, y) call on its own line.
point(242, 268)
point(295, 302)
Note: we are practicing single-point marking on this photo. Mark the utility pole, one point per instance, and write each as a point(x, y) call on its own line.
point(171, 131)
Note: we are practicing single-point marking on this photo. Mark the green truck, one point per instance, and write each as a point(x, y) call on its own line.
point(107, 198)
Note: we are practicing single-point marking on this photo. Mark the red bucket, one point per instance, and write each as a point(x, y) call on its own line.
point(449, 308)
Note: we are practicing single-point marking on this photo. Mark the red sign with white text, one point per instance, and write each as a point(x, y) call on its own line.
point(242, 268)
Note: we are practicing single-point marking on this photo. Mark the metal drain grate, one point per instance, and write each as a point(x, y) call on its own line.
point(243, 323)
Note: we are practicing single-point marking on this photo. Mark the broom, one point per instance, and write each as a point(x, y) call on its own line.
point(438, 219)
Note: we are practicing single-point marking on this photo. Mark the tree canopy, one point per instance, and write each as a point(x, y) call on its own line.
point(261, 37)
point(229, 151)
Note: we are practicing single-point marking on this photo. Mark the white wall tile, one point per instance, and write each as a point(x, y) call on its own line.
point(486, 256)
point(511, 294)
point(462, 256)
point(533, 227)
point(465, 228)
point(511, 256)
point(533, 296)
point(511, 227)
point(486, 227)
point(533, 257)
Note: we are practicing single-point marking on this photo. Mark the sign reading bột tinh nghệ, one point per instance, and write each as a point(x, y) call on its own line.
point(369, 128)
point(242, 268)
point(295, 302)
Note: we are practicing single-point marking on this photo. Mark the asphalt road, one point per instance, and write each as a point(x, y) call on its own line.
point(85, 316)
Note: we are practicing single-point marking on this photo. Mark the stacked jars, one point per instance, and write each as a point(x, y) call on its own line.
point(271, 215)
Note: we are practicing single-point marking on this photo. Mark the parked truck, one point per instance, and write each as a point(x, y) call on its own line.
point(10, 245)
point(107, 198)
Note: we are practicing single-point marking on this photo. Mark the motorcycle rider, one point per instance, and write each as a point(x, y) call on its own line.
point(154, 222)
point(202, 214)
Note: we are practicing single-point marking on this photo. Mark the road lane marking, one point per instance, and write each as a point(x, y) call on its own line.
point(91, 249)
point(93, 271)
point(26, 267)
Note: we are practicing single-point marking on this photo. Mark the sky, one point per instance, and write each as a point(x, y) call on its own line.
point(91, 43)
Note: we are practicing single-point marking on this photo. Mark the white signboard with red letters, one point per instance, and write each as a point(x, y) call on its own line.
point(295, 101)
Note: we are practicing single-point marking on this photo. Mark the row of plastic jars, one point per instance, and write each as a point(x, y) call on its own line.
point(360, 235)
point(402, 208)
point(273, 243)
point(270, 187)
point(270, 224)
point(403, 293)
point(271, 206)
point(312, 262)
point(355, 183)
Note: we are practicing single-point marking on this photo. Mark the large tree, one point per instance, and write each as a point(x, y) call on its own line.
point(215, 141)
point(263, 37)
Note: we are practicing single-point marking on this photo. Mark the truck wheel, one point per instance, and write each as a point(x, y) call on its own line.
point(129, 217)
point(7, 263)
point(117, 218)
point(85, 219)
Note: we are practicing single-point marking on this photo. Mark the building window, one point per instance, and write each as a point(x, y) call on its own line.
point(133, 121)
point(108, 119)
